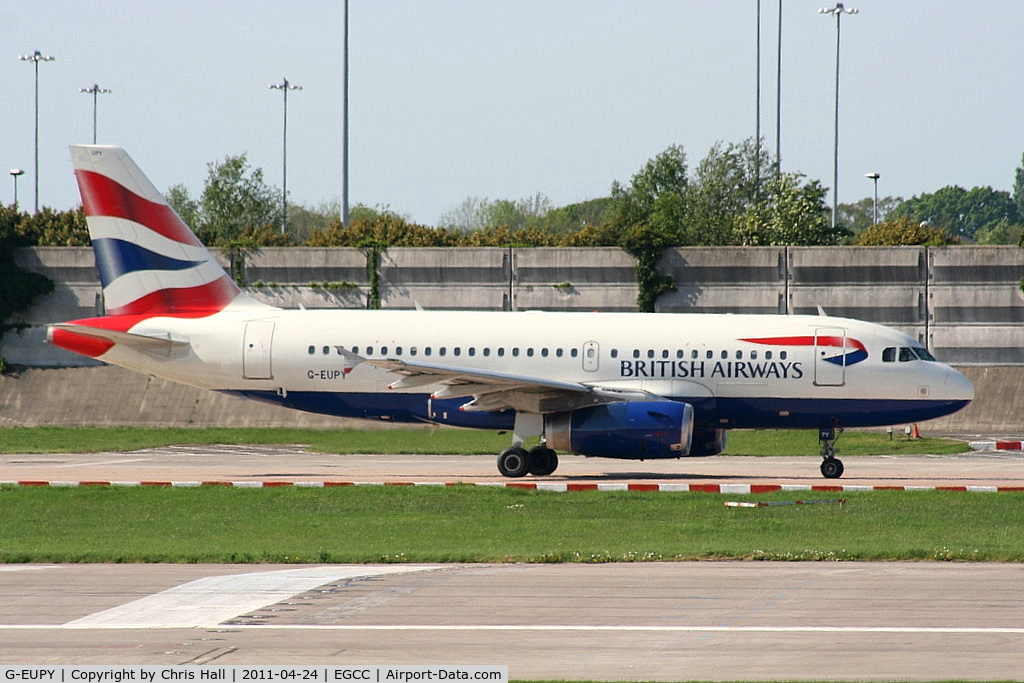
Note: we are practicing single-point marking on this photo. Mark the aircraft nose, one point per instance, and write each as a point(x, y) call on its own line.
point(957, 386)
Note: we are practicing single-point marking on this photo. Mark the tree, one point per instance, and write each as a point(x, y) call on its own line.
point(656, 194)
point(49, 228)
point(904, 232)
point(860, 215)
point(728, 182)
point(235, 198)
point(18, 287)
point(792, 212)
point(958, 211)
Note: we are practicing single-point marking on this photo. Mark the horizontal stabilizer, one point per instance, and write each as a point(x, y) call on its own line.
point(162, 346)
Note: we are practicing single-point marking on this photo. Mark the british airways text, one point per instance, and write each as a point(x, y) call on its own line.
point(683, 369)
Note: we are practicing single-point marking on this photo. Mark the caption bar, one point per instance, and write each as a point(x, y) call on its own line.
point(255, 674)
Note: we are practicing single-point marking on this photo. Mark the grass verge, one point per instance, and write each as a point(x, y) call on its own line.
point(481, 524)
point(422, 440)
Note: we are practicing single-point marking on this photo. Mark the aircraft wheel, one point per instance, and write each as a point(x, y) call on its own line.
point(514, 462)
point(832, 468)
point(544, 461)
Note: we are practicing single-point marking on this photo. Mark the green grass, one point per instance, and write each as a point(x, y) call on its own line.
point(483, 524)
point(421, 440)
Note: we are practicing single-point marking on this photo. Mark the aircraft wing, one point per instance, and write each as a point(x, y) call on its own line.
point(495, 391)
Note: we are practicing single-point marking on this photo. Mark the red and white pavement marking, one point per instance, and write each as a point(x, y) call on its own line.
point(739, 489)
point(997, 445)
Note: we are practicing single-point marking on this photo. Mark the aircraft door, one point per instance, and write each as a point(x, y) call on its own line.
point(830, 356)
point(591, 357)
point(256, 349)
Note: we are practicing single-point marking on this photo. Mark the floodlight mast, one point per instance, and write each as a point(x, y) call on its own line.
point(284, 86)
point(95, 91)
point(838, 11)
point(35, 58)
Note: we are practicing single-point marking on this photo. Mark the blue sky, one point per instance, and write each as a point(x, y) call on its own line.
point(457, 98)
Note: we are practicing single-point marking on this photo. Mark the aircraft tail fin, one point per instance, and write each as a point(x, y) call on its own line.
point(150, 262)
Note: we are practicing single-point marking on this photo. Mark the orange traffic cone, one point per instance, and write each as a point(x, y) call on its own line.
point(915, 433)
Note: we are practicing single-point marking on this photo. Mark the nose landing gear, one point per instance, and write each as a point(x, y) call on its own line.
point(831, 466)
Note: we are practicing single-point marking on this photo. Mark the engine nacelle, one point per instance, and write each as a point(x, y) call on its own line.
point(634, 431)
point(708, 442)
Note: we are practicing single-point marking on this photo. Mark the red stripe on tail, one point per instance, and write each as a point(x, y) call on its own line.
point(101, 196)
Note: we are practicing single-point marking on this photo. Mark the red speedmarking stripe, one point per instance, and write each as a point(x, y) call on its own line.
point(101, 196)
point(808, 341)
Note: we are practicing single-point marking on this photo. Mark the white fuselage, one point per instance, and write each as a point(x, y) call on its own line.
point(737, 370)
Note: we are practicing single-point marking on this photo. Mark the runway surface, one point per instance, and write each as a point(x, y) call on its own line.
point(643, 621)
point(295, 464)
point(655, 621)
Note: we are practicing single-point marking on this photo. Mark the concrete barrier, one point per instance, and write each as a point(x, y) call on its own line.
point(964, 302)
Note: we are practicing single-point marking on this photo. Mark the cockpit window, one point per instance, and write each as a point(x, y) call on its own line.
point(907, 354)
point(889, 355)
point(924, 354)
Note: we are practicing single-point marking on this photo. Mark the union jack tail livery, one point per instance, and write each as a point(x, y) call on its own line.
point(641, 386)
point(150, 262)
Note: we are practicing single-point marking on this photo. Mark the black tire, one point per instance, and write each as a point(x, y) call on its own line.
point(544, 461)
point(832, 468)
point(514, 462)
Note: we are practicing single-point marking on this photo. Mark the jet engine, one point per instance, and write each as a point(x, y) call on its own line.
point(635, 431)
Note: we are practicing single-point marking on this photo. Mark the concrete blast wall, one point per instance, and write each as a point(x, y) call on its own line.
point(964, 302)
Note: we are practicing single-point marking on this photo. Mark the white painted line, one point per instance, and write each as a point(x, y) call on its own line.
point(207, 602)
point(924, 630)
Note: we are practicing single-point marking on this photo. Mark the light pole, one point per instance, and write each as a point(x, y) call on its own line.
point(284, 86)
point(15, 172)
point(344, 125)
point(95, 91)
point(874, 176)
point(838, 11)
point(35, 58)
point(778, 97)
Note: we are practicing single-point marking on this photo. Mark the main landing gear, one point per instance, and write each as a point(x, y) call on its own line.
point(539, 461)
point(831, 466)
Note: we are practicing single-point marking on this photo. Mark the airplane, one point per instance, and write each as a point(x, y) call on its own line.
point(642, 386)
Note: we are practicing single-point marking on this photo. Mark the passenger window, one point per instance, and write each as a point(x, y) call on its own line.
point(312, 350)
point(426, 351)
point(614, 353)
point(725, 354)
point(783, 355)
point(457, 351)
point(710, 354)
point(739, 355)
point(575, 352)
point(767, 355)
point(753, 355)
point(501, 352)
point(636, 353)
point(889, 355)
point(412, 351)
